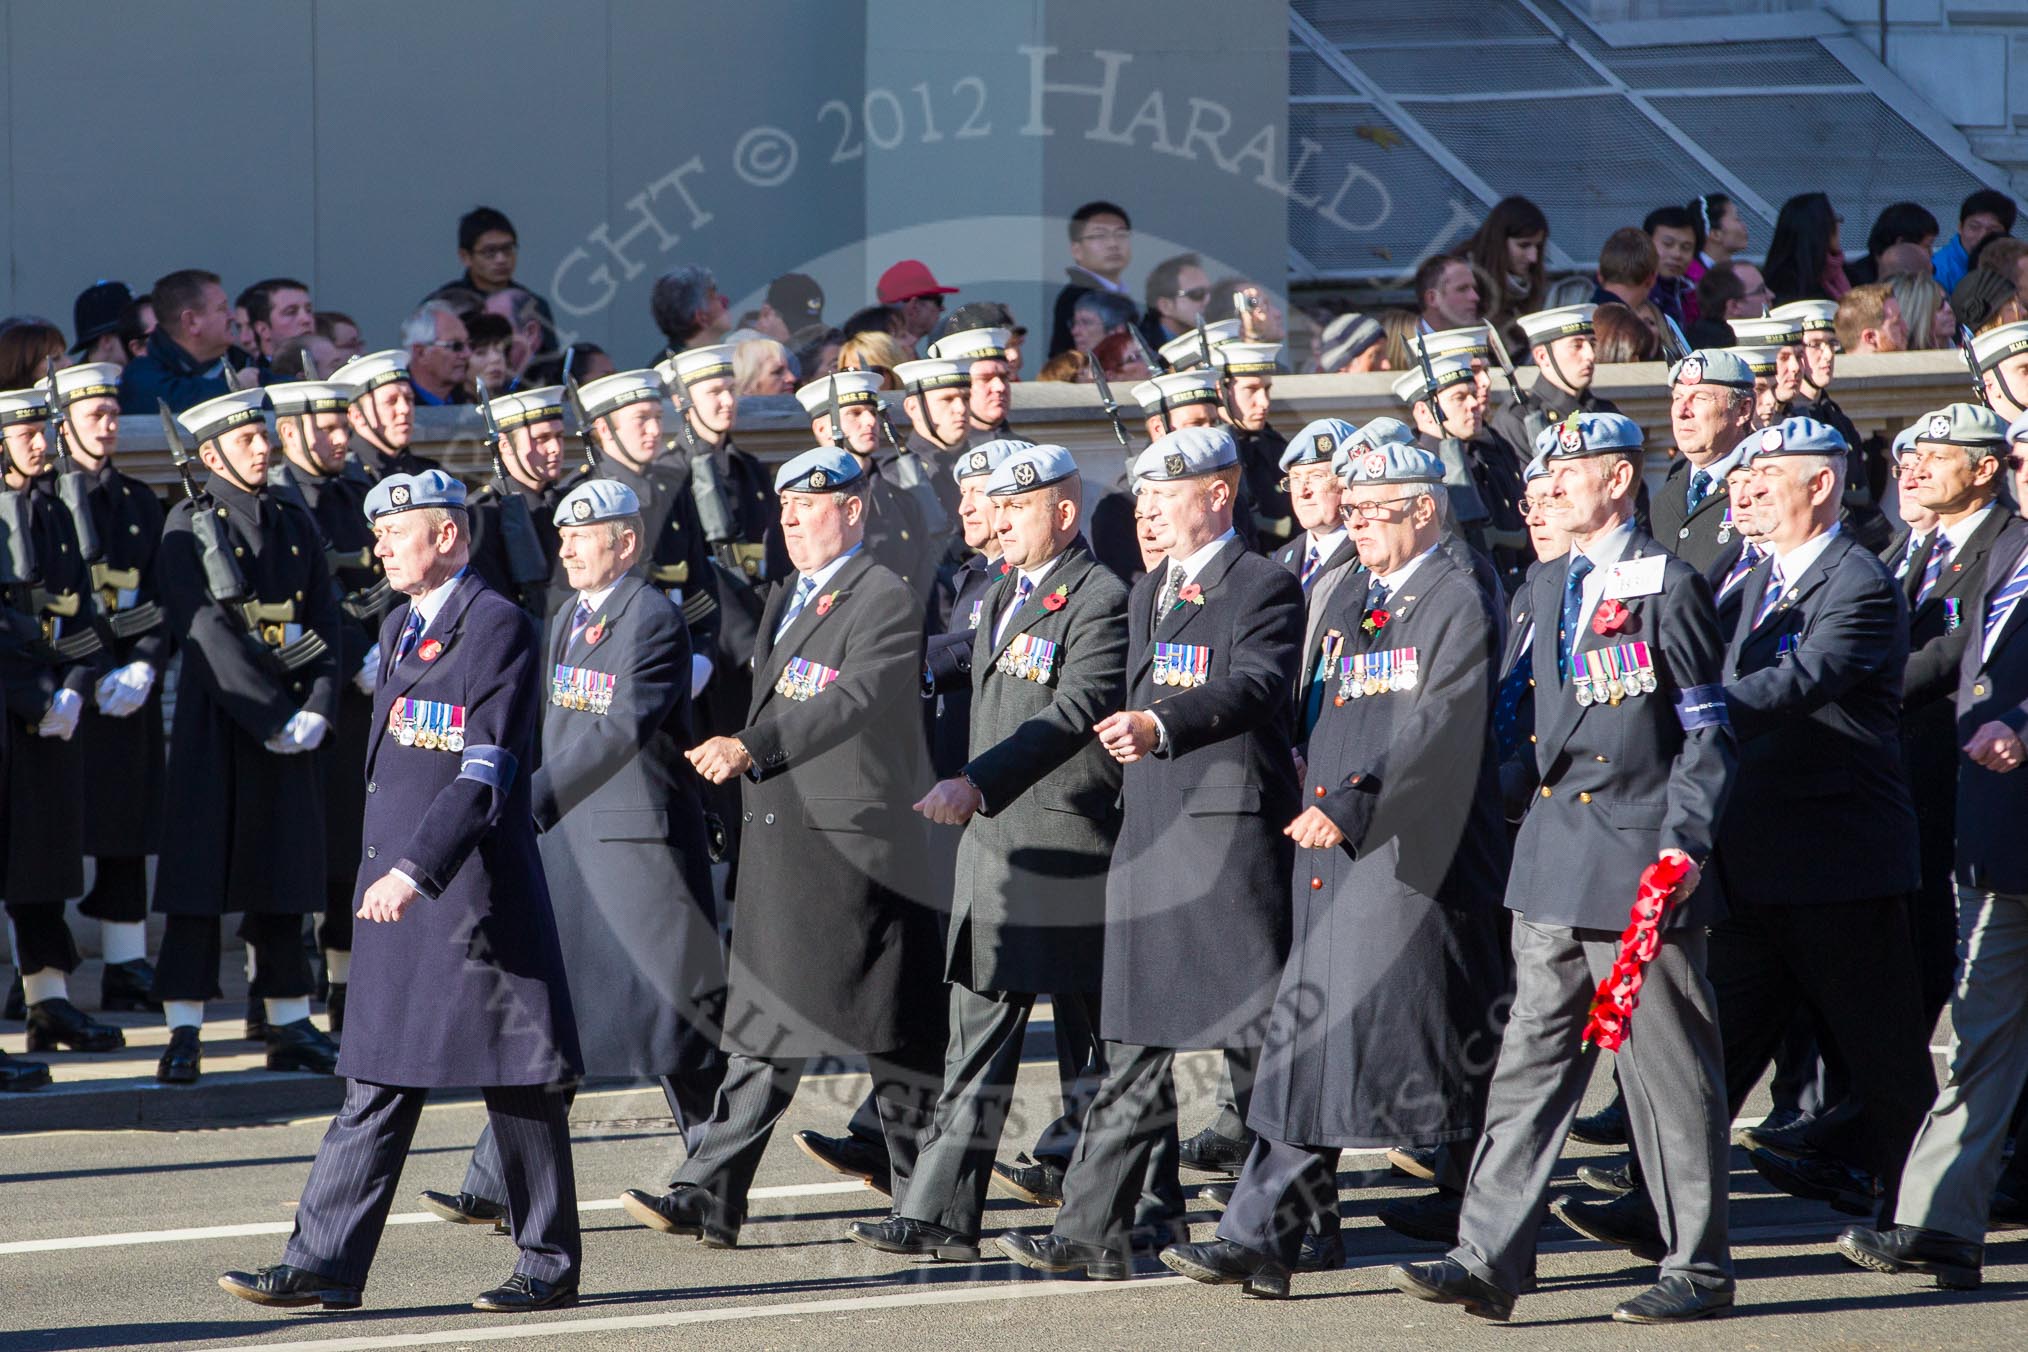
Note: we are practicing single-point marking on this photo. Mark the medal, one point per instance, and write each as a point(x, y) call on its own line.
point(1580, 679)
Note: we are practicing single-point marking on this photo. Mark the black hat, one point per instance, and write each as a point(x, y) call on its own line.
point(97, 312)
point(797, 299)
point(982, 314)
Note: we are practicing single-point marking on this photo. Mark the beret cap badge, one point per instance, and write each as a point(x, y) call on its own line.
point(1172, 464)
point(818, 478)
point(399, 495)
point(1940, 425)
point(1024, 474)
point(581, 510)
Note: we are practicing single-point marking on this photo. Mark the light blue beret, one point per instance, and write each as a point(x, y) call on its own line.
point(1318, 442)
point(1962, 425)
point(1538, 468)
point(407, 492)
point(1713, 366)
point(1594, 434)
point(597, 500)
point(1375, 435)
point(1026, 471)
point(1395, 464)
point(2018, 429)
point(1792, 436)
point(986, 457)
point(818, 471)
point(1187, 453)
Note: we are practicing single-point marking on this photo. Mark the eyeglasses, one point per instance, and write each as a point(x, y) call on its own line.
point(2017, 461)
point(1375, 511)
point(496, 250)
point(1196, 293)
point(1105, 236)
point(451, 345)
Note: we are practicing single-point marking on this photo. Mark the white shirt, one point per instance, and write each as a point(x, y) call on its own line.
point(592, 600)
point(1193, 564)
point(431, 602)
point(1961, 532)
point(1792, 565)
point(1603, 556)
point(1398, 579)
point(1033, 577)
point(1325, 545)
point(1717, 469)
point(823, 575)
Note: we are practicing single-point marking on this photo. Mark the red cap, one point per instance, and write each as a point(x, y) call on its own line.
point(908, 279)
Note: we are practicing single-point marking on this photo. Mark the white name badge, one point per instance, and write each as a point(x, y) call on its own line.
point(1635, 577)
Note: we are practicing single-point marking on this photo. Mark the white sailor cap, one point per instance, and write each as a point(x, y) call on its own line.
point(854, 387)
point(525, 407)
point(972, 345)
point(597, 500)
point(215, 417)
point(1186, 453)
point(296, 397)
point(1473, 340)
point(983, 459)
point(1565, 321)
point(86, 380)
point(370, 370)
point(1177, 389)
point(1411, 388)
point(20, 406)
point(823, 469)
point(1759, 360)
point(407, 492)
point(1187, 350)
point(1808, 315)
point(933, 373)
point(1030, 469)
point(1318, 443)
point(621, 388)
point(1247, 359)
point(695, 365)
point(1766, 331)
point(1994, 346)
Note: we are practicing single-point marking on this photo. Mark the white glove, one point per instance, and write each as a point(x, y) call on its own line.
point(367, 678)
point(700, 674)
point(307, 730)
point(125, 690)
point(64, 711)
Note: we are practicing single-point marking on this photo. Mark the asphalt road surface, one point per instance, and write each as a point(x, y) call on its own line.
point(116, 1238)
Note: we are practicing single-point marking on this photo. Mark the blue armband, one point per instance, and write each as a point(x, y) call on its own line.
point(493, 766)
point(1702, 706)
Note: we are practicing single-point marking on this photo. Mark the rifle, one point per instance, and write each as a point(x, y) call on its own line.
point(1156, 365)
point(223, 581)
point(1464, 492)
point(1533, 419)
point(838, 426)
point(1105, 395)
point(1675, 346)
point(71, 488)
point(526, 563)
point(1972, 365)
point(584, 423)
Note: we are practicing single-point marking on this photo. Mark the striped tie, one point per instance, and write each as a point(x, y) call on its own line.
point(410, 632)
point(804, 586)
point(1938, 557)
point(1310, 562)
point(1749, 556)
point(579, 618)
point(2001, 603)
point(1770, 598)
point(1021, 595)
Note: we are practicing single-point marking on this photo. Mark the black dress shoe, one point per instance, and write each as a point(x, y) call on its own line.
point(17, 1001)
point(1037, 1182)
point(1957, 1264)
point(685, 1210)
point(1217, 1196)
point(1224, 1263)
point(914, 1239)
point(2008, 1212)
point(1210, 1153)
point(290, 1288)
point(1448, 1282)
point(1674, 1300)
point(1417, 1161)
point(1433, 1218)
point(848, 1155)
point(1820, 1178)
point(1054, 1253)
point(1321, 1252)
point(18, 1076)
point(1614, 1180)
point(55, 1024)
point(1152, 1236)
point(463, 1208)
point(1624, 1223)
point(182, 1059)
point(521, 1293)
point(1607, 1126)
point(1784, 1130)
point(128, 988)
point(334, 1009)
point(302, 1045)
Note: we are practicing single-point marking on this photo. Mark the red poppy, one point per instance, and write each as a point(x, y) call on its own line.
point(1375, 621)
point(1191, 593)
point(594, 634)
point(824, 603)
point(1612, 617)
point(429, 650)
point(1056, 599)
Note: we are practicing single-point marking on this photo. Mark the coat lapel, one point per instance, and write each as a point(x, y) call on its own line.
point(805, 623)
point(2004, 565)
point(443, 630)
point(1550, 583)
point(1069, 571)
point(1166, 627)
point(1964, 563)
point(1798, 591)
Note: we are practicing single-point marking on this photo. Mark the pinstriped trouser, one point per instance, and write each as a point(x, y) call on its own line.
point(358, 1167)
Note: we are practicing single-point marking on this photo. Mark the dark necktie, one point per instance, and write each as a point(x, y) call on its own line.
point(1771, 597)
point(1513, 689)
point(579, 618)
point(410, 632)
point(1021, 595)
point(804, 586)
point(1573, 608)
point(1700, 488)
point(1310, 562)
point(1749, 555)
point(1171, 585)
point(1938, 557)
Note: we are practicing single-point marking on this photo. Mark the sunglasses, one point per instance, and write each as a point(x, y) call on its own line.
point(452, 345)
point(1195, 293)
point(2017, 461)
